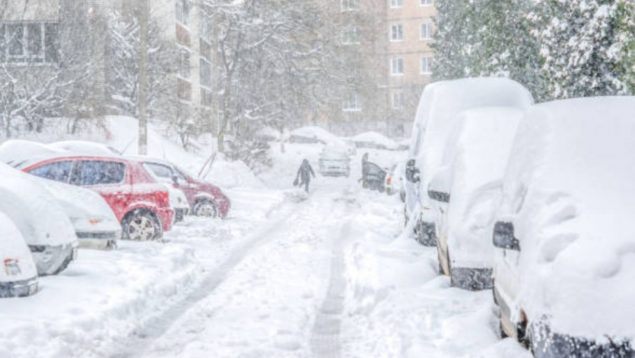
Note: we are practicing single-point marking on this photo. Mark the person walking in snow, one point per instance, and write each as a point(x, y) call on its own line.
point(304, 175)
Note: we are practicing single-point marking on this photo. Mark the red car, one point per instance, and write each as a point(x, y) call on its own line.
point(205, 199)
point(141, 205)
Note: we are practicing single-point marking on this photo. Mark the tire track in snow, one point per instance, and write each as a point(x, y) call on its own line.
point(325, 335)
point(155, 327)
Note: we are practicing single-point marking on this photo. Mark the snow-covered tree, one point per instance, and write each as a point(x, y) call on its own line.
point(580, 46)
point(453, 39)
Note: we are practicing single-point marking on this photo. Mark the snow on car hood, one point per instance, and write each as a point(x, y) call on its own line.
point(38, 215)
point(569, 192)
point(440, 104)
point(480, 157)
point(87, 210)
point(15, 257)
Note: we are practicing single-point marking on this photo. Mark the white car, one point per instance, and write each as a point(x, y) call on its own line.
point(564, 233)
point(374, 140)
point(18, 275)
point(464, 194)
point(96, 226)
point(16, 151)
point(334, 161)
point(43, 223)
point(435, 122)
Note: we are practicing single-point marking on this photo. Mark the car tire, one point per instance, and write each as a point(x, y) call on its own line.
point(205, 208)
point(141, 225)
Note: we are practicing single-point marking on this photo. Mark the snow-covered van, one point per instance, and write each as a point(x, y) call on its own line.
point(18, 275)
point(435, 121)
point(334, 161)
point(43, 223)
point(465, 193)
point(564, 233)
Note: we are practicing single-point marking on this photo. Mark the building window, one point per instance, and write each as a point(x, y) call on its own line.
point(206, 97)
point(350, 5)
point(396, 4)
point(350, 36)
point(426, 2)
point(396, 32)
point(183, 11)
point(426, 65)
point(352, 103)
point(397, 100)
point(205, 72)
point(184, 63)
point(396, 66)
point(29, 43)
point(426, 33)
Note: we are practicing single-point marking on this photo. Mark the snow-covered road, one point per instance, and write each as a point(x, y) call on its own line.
point(286, 275)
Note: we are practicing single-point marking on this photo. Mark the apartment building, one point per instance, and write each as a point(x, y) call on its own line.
point(394, 38)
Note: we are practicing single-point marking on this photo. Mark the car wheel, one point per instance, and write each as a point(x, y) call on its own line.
point(141, 226)
point(205, 208)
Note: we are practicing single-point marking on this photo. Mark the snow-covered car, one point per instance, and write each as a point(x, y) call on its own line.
point(204, 198)
point(374, 140)
point(435, 121)
point(96, 226)
point(465, 193)
point(373, 177)
point(334, 161)
point(16, 151)
point(564, 233)
point(18, 275)
point(395, 179)
point(178, 200)
point(42, 221)
point(84, 148)
point(314, 135)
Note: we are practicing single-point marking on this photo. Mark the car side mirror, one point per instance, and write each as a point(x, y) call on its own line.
point(439, 187)
point(504, 236)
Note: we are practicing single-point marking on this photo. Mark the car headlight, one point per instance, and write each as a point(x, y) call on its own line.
point(12, 267)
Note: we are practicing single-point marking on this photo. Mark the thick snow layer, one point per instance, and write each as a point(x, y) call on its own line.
point(15, 255)
point(15, 151)
point(569, 192)
point(35, 212)
point(377, 139)
point(84, 148)
point(437, 117)
point(319, 134)
point(481, 155)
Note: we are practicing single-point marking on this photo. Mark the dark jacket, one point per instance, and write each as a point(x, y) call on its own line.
point(305, 172)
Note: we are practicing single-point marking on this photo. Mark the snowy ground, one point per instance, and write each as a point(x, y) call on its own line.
point(286, 275)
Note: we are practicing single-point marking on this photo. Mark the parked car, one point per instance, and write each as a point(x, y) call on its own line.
point(46, 229)
point(205, 199)
point(18, 276)
point(334, 161)
point(84, 148)
point(17, 151)
point(435, 121)
point(139, 203)
point(373, 177)
point(374, 140)
point(395, 179)
point(95, 224)
point(564, 234)
point(465, 192)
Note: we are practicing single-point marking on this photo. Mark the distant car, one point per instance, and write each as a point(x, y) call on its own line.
point(465, 193)
point(334, 161)
point(314, 135)
point(435, 121)
point(374, 140)
point(395, 179)
point(141, 205)
point(96, 226)
point(18, 274)
point(373, 177)
point(205, 199)
point(43, 223)
point(564, 233)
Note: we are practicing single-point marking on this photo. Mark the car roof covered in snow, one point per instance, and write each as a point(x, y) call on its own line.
point(317, 133)
point(38, 215)
point(84, 148)
point(569, 191)
point(14, 151)
point(441, 103)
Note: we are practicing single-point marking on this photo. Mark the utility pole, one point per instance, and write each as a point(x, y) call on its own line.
point(143, 76)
